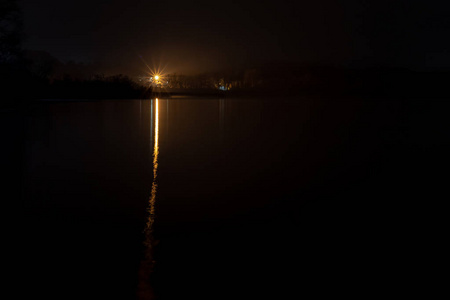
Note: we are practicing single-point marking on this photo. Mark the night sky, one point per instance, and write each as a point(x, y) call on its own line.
point(197, 36)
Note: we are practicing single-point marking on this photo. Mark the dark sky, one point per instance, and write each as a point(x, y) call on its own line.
point(195, 36)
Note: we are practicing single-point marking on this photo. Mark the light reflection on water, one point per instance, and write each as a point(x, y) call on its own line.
point(145, 289)
point(159, 109)
point(84, 171)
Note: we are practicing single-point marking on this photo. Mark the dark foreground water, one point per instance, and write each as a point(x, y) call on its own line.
point(219, 198)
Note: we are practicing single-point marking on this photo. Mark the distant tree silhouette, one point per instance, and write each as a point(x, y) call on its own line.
point(98, 87)
point(41, 64)
point(11, 26)
point(12, 66)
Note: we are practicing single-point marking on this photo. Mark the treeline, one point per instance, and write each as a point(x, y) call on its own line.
point(21, 84)
point(360, 82)
point(97, 87)
point(316, 80)
point(29, 75)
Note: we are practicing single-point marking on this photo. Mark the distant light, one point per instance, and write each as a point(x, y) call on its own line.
point(156, 77)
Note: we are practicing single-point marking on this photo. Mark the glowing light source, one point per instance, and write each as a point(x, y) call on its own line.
point(156, 77)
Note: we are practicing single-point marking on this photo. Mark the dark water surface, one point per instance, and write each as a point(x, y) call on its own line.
point(218, 198)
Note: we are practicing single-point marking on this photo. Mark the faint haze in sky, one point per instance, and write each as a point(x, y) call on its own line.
point(196, 36)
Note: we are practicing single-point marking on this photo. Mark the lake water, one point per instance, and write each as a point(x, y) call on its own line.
point(215, 198)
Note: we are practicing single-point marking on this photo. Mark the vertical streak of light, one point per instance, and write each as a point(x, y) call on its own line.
point(145, 289)
point(151, 123)
point(156, 148)
point(151, 208)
